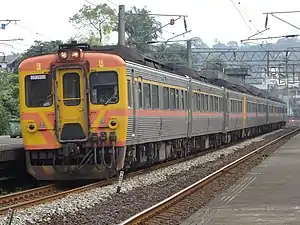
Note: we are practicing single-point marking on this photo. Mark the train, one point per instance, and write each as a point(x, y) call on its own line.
point(89, 112)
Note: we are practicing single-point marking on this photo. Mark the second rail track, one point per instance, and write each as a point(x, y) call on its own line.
point(157, 213)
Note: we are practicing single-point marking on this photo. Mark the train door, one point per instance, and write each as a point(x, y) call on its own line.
point(71, 105)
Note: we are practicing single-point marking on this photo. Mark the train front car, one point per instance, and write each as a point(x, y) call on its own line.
point(73, 107)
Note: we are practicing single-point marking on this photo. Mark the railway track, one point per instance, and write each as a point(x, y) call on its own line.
point(52, 192)
point(163, 211)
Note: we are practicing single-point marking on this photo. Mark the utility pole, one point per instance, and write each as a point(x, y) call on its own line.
point(189, 53)
point(121, 25)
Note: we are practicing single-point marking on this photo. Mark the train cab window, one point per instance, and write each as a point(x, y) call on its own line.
point(71, 86)
point(166, 98)
point(104, 87)
point(38, 91)
point(155, 97)
point(147, 96)
point(172, 98)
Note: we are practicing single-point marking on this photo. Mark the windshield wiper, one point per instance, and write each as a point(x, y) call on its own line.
point(111, 97)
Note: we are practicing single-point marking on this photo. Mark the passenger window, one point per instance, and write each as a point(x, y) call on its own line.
point(155, 98)
point(140, 95)
point(38, 90)
point(182, 99)
point(186, 99)
point(211, 99)
point(104, 87)
point(177, 98)
point(206, 103)
point(71, 89)
point(147, 96)
point(129, 93)
point(216, 104)
point(166, 98)
point(172, 98)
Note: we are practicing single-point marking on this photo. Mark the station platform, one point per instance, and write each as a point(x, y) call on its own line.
point(268, 194)
point(10, 148)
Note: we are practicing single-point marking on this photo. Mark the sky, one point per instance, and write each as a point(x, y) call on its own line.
point(225, 20)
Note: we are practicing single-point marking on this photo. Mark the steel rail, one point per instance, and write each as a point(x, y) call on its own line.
point(50, 192)
point(17, 196)
point(177, 197)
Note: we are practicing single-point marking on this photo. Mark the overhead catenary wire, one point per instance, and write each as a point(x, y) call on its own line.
point(244, 19)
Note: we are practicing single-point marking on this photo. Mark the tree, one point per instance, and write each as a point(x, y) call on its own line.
point(141, 28)
point(98, 21)
point(9, 99)
point(171, 54)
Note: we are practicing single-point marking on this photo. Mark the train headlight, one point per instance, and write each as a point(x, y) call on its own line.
point(75, 54)
point(32, 127)
point(63, 54)
point(113, 124)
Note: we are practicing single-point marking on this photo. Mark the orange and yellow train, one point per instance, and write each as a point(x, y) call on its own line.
point(87, 113)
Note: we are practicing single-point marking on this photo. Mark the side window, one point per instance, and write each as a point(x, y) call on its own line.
point(211, 99)
point(186, 99)
point(206, 103)
point(139, 90)
point(166, 98)
point(198, 102)
point(182, 99)
point(177, 98)
point(172, 98)
point(216, 104)
point(147, 96)
point(38, 90)
point(129, 93)
point(155, 97)
point(201, 102)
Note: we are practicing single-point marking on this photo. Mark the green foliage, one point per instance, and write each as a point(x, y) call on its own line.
point(9, 99)
point(99, 21)
point(172, 54)
point(141, 28)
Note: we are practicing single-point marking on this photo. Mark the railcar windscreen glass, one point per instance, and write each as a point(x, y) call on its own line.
point(104, 87)
point(38, 91)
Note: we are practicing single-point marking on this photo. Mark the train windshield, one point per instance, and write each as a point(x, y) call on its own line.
point(38, 90)
point(104, 88)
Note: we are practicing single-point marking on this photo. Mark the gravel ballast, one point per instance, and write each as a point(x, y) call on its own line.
point(104, 206)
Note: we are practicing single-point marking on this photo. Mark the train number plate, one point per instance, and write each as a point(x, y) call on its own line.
point(37, 77)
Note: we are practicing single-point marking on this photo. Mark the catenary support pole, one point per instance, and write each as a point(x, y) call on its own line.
point(121, 25)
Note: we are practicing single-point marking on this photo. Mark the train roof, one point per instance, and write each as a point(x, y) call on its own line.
point(130, 54)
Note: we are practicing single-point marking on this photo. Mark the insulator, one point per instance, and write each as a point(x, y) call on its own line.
point(185, 25)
